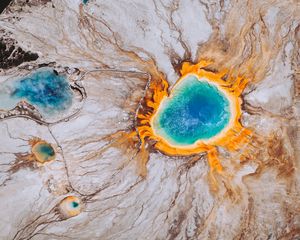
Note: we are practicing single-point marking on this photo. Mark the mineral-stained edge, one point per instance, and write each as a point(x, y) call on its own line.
point(70, 206)
point(231, 138)
point(38, 156)
point(138, 142)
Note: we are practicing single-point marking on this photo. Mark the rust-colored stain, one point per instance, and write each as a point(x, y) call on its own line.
point(231, 138)
point(36, 154)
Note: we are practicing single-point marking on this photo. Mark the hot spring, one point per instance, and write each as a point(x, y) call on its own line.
point(195, 110)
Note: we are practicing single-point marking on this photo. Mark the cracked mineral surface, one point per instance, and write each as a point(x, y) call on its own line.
point(94, 169)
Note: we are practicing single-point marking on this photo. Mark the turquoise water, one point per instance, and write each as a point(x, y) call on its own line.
point(75, 204)
point(85, 1)
point(45, 150)
point(196, 110)
point(44, 89)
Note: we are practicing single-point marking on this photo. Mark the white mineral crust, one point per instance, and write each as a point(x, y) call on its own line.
point(175, 199)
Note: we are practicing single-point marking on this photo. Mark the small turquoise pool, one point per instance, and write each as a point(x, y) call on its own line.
point(44, 89)
point(196, 110)
point(44, 152)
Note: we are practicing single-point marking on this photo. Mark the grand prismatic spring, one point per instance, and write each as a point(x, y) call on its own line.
point(160, 120)
point(202, 113)
point(196, 111)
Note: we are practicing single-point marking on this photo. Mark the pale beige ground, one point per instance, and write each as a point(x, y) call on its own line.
point(257, 199)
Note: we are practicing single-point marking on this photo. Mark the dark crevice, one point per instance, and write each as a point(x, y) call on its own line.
point(11, 55)
point(4, 4)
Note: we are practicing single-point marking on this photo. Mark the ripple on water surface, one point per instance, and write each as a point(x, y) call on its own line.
point(44, 89)
point(196, 110)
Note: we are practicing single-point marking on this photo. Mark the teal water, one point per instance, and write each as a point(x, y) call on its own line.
point(45, 150)
point(44, 89)
point(85, 1)
point(196, 110)
point(75, 204)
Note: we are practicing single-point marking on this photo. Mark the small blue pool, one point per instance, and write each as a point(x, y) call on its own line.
point(196, 110)
point(44, 88)
point(44, 152)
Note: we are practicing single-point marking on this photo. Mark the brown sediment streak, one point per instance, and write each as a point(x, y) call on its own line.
point(142, 157)
point(127, 142)
point(231, 138)
point(120, 139)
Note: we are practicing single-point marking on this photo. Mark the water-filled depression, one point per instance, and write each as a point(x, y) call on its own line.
point(195, 110)
point(44, 88)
